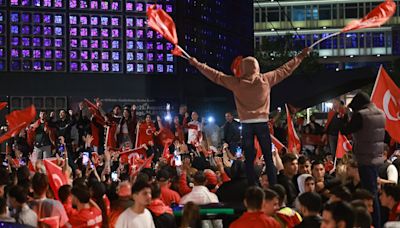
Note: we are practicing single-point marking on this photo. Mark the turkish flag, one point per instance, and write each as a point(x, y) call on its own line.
point(144, 133)
point(55, 175)
point(386, 96)
point(126, 155)
point(3, 105)
point(235, 66)
point(111, 137)
point(279, 146)
point(293, 139)
point(143, 164)
point(343, 146)
point(17, 121)
point(165, 136)
point(378, 16)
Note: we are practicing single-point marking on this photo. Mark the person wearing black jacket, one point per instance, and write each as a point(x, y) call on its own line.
point(310, 204)
point(231, 132)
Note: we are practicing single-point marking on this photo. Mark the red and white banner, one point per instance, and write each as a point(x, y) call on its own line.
point(294, 144)
point(343, 146)
point(55, 175)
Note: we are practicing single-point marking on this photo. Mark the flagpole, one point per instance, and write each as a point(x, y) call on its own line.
point(334, 163)
point(325, 38)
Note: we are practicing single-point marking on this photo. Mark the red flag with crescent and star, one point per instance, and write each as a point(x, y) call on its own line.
point(386, 96)
point(343, 146)
point(55, 175)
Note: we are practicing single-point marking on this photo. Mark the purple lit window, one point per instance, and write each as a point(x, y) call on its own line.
point(72, 4)
point(37, 54)
point(104, 43)
point(105, 56)
point(115, 33)
point(139, 33)
point(58, 31)
point(95, 55)
point(159, 46)
point(170, 57)
point(94, 20)
point(14, 29)
point(74, 66)
point(115, 21)
point(83, 4)
point(47, 18)
point(84, 66)
point(37, 30)
point(95, 67)
point(58, 3)
point(115, 6)
point(14, 2)
point(169, 46)
point(26, 18)
point(48, 54)
point(159, 36)
point(84, 32)
point(139, 56)
point(149, 46)
point(84, 20)
point(139, 22)
point(25, 2)
point(47, 3)
point(59, 54)
point(2, 43)
point(37, 42)
point(168, 8)
point(58, 19)
point(150, 68)
point(160, 68)
point(2, 65)
point(1, 52)
point(58, 42)
point(150, 34)
point(48, 66)
point(26, 30)
point(139, 68)
point(150, 56)
point(59, 66)
point(104, 5)
point(115, 67)
point(104, 32)
point(84, 43)
point(104, 20)
point(26, 41)
point(129, 5)
point(15, 65)
point(1, 29)
point(139, 7)
point(129, 56)
point(105, 67)
point(170, 68)
point(37, 18)
point(115, 44)
point(94, 5)
point(14, 53)
point(37, 65)
point(26, 53)
point(129, 33)
point(73, 31)
point(129, 22)
point(160, 57)
point(15, 41)
point(73, 54)
point(115, 55)
point(129, 67)
point(73, 43)
point(36, 2)
point(94, 32)
point(47, 30)
point(85, 55)
point(14, 17)
point(72, 20)
point(94, 43)
point(139, 45)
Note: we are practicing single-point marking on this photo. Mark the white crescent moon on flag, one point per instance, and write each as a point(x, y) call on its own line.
point(345, 147)
point(386, 99)
point(148, 131)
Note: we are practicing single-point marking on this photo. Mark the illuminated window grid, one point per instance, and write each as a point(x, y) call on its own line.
point(103, 5)
point(3, 49)
point(53, 4)
point(141, 6)
point(95, 43)
point(37, 41)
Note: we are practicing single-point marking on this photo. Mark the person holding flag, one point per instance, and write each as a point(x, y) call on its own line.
point(252, 96)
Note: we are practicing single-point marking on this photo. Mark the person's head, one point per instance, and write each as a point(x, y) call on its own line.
point(309, 203)
point(80, 196)
point(359, 101)
point(17, 196)
point(271, 202)
point(163, 176)
point(40, 184)
point(64, 193)
point(318, 170)
point(361, 217)
point(190, 215)
point(42, 115)
point(141, 193)
point(304, 165)
point(195, 116)
point(290, 164)
point(352, 169)
point(366, 197)
point(147, 118)
point(264, 182)
point(249, 67)
point(390, 195)
point(116, 110)
point(340, 193)
point(329, 156)
point(63, 114)
point(280, 190)
point(3, 206)
point(338, 214)
point(228, 117)
point(124, 190)
point(126, 113)
point(253, 198)
point(155, 190)
point(97, 190)
point(312, 118)
point(176, 119)
point(199, 178)
point(182, 109)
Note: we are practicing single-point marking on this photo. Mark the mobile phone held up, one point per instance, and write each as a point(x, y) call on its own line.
point(85, 158)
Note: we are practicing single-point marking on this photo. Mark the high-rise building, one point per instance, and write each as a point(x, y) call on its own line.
point(310, 20)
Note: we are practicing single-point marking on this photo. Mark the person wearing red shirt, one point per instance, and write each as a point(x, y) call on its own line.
point(390, 198)
point(254, 217)
point(87, 214)
point(168, 196)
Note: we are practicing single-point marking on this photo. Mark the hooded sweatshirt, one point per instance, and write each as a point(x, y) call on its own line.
point(252, 89)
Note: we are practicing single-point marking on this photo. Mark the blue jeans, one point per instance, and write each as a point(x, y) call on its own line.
point(261, 131)
point(368, 176)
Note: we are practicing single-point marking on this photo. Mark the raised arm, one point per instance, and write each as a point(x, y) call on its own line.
point(284, 71)
point(214, 75)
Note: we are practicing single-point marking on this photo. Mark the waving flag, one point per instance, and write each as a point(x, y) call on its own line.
point(160, 21)
point(235, 66)
point(3, 105)
point(55, 175)
point(343, 146)
point(293, 139)
point(386, 96)
point(17, 121)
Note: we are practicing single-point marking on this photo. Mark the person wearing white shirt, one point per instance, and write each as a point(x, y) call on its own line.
point(194, 130)
point(137, 215)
